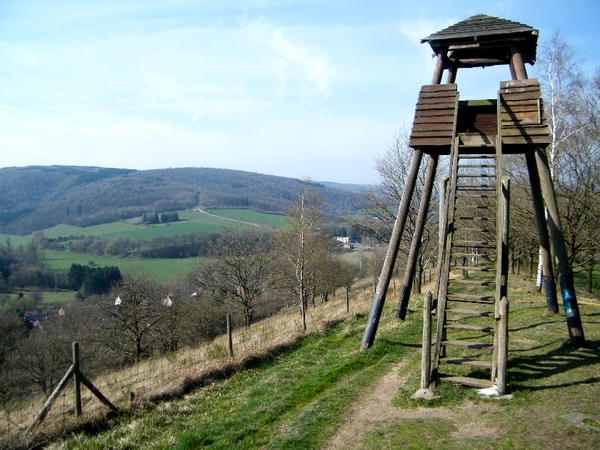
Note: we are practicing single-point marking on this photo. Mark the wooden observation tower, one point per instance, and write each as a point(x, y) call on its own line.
point(475, 134)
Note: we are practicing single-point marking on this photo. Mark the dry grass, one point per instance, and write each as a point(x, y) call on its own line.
point(174, 375)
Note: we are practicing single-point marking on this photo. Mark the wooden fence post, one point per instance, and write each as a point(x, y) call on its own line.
point(229, 336)
point(76, 379)
point(426, 350)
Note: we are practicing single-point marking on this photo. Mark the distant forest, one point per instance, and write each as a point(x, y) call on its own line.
point(37, 197)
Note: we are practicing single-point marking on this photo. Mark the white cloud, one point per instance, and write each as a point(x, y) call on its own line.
point(300, 67)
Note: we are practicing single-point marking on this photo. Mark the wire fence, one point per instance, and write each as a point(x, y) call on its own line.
point(171, 376)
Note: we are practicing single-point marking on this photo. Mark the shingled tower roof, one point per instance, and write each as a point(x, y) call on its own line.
point(483, 40)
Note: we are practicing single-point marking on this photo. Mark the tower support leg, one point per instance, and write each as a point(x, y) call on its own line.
point(392, 252)
point(542, 231)
point(416, 241)
point(565, 274)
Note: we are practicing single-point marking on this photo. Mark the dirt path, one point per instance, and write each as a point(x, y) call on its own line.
point(375, 406)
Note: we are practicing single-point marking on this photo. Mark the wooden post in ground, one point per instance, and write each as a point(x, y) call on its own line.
point(426, 350)
point(76, 379)
point(392, 252)
point(502, 227)
point(565, 274)
point(347, 299)
point(413, 254)
point(502, 353)
point(229, 336)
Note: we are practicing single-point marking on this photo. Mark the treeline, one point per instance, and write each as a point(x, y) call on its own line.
point(176, 246)
point(93, 280)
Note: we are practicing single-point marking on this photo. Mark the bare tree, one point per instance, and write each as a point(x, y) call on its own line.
point(572, 103)
point(238, 271)
point(380, 204)
point(131, 314)
point(301, 247)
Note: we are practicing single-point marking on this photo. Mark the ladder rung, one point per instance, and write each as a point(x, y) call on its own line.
point(490, 197)
point(474, 268)
point(466, 381)
point(472, 296)
point(480, 244)
point(476, 175)
point(473, 282)
point(472, 218)
point(475, 156)
point(468, 344)
point(472, 230)
point(471, 206)
point(472, 255)
point(467, 362)
point(470, 312)
point(477, 166)
point(484, 187)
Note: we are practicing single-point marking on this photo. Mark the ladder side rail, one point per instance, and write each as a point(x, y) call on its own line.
point(445, 269)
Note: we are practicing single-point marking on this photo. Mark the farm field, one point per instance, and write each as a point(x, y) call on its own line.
point(157, 268)
point(160, 269)
point(190, 222)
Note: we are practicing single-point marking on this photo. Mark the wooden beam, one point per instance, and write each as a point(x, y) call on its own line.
point(565, 273)
point(392, 252)
point(542, 231)
point(413, 253)
point(516, 62)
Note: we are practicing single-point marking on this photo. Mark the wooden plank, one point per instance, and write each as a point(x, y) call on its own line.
point(467, 362)
point(536, 140)
point(517, 89)
point(434, 119)
point(519, 83)
point(520, 97)
point(524, 117)
point(520, 105)
point(432, 134)
point(524, 131)
point(470, 312)
point(438, 95)
point(435, 112)
point(468, 344)
point(476, 140)
point(429, 126)
point(438, 87)
point(436, 105)
point(429, 141)
point(467, 381)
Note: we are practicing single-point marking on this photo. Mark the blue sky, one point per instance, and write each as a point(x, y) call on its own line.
point(299, 88)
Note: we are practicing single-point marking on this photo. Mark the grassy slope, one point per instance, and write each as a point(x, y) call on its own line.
point(300, 397)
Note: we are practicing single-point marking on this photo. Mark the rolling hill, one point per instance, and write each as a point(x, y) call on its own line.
point(38, 197)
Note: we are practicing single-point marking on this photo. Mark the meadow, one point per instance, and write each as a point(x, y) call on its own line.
point(158, 268)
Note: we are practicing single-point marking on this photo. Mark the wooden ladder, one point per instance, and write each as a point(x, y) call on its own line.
point(467, 295)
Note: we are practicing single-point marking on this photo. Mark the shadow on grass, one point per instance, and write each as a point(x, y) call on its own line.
point(527, 372)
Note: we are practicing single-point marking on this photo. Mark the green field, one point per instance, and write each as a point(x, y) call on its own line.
point(156, 268)
point(159, 269)
point(273, 220)
point(190, 222)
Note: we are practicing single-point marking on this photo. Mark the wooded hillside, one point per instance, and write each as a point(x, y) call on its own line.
point(37, 197)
